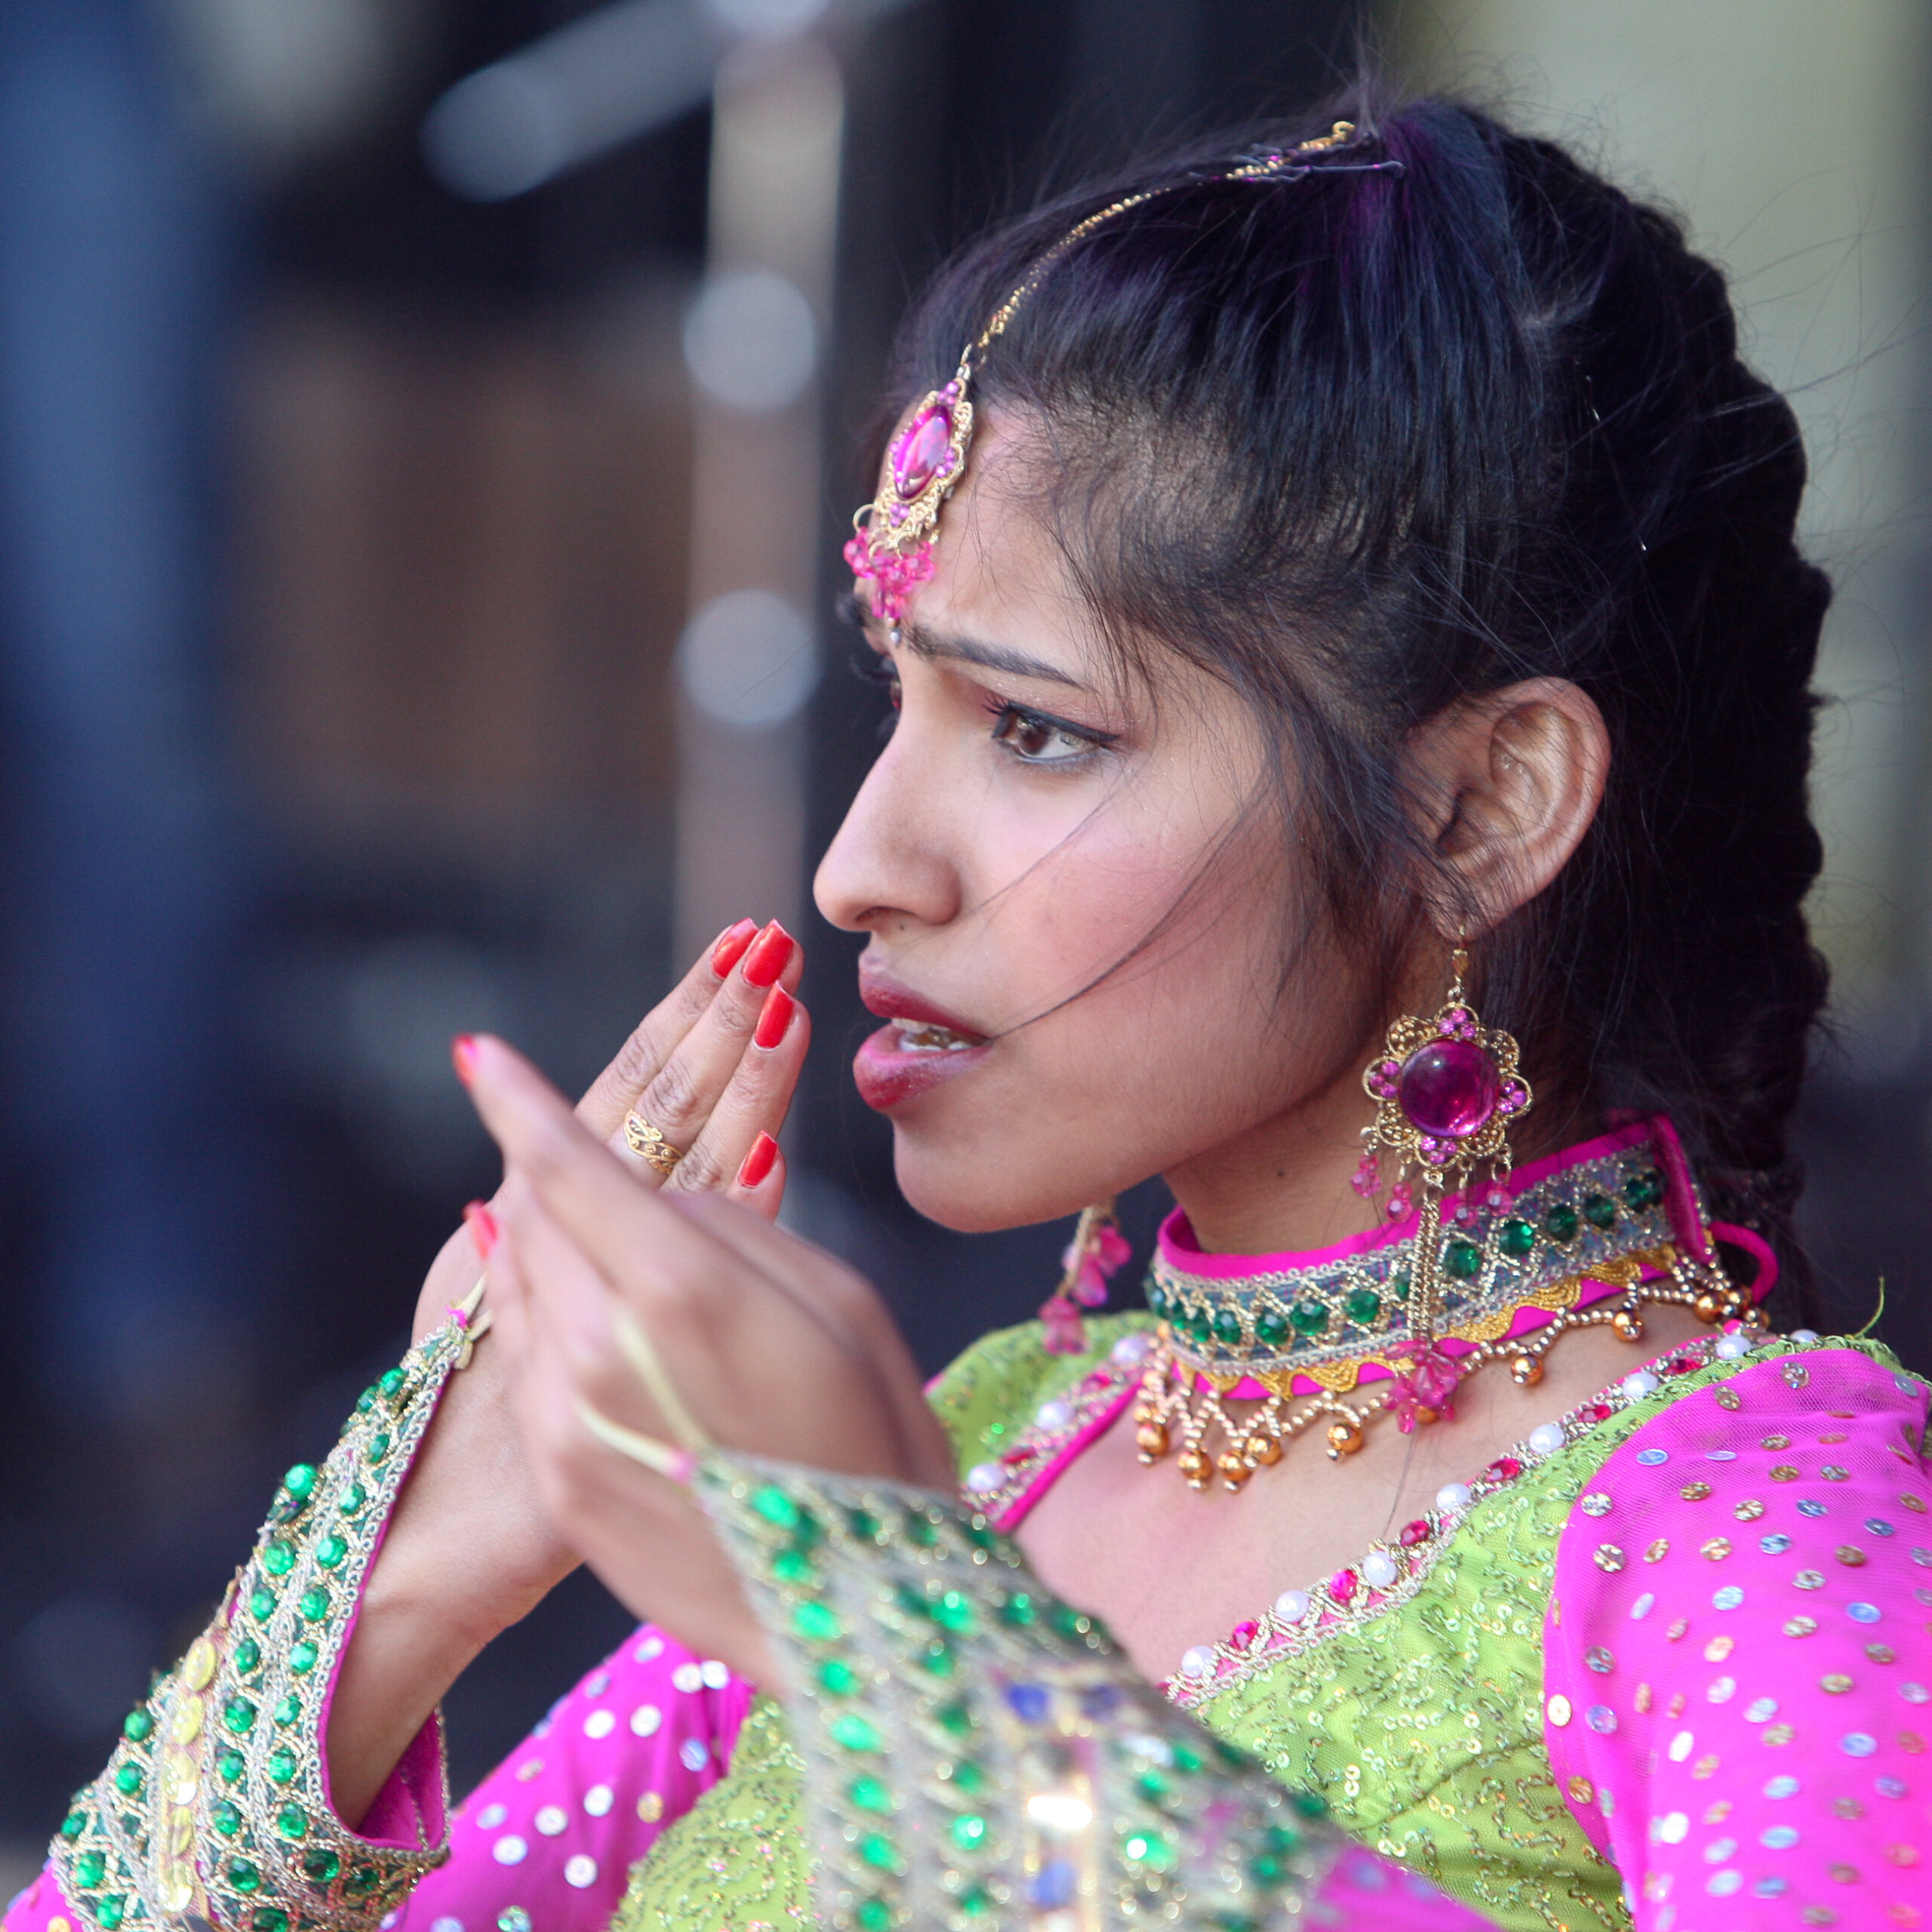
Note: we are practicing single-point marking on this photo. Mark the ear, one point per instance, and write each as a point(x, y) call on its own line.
point(1508, 784)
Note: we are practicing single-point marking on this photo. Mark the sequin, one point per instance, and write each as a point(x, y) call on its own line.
point(1749, 1510)
point(1608, 1557)
point(1650, 1458)
point(1595, 1504)
point(1599, 1660)
point(1601, 1719)
point(1761, 1710)
point(1801, 1626)
point(1656, 1552)
point(1558, 1711)
point(1858, 1744)
point(1810, 1505)
point(1729, 1597)
point(1809, 1579)
point(1863, 1612)
point(1785, 1472)
point(1850, 1555)
point(1695, 1492)
point(1642, 1608)
point(1716, 1549)
point(1776, 1544)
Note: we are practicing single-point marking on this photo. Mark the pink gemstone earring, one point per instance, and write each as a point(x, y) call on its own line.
point(1097, 1251)
point(1446, 1091)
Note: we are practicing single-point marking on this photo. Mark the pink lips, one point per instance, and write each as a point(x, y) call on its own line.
point(887, 1073)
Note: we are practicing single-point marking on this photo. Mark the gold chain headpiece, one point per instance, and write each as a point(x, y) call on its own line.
point(893, 534)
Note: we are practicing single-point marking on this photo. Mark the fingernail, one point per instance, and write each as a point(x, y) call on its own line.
point(758, 1162)
point(774, 1018)
point(462, 1051)
point(482, 1225)
point(770, 954)
point(731, 947)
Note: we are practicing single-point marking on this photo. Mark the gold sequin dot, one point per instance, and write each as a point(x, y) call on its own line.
point(1809, 1579)
point(1717, 1549)
point(1718, 1649)
point(1559, 1710)
point(1719, 1812)
point(1775, 1442)
point(1912, 1502)
point(1644, 1697)
point(1881, 1653)
point(1695, 1492)
point(1902, 1854)
point(1847, 1808)
point(1581, 1790)
point(1675, 1709)
point(1777, 1733)
point(1609, 1557)
point(1595, 1504)
point(1749, 1510)
point(1729, 1398)
point(1677, 1629)
point(58, 1925)
point(1850, 1555)
point(532, 1767)
point(1836, 1682)
point(1845, 1874)
point(1796, 1375)
point(1785, 1472)
point(651, 1807)
point(1836, 1435)
point(1706, 1767)
point(1598, 1659)
point(1658, 1550)
point(1801, 1626)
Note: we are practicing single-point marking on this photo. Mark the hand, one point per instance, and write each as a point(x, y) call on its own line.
point(775, 1348)
point(471, 1549)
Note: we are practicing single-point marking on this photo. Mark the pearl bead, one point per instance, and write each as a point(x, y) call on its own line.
point(1053, 1415)
point(1453, 1496)
point(1546, 1438)
point(1732, 1348)
point(982, 1478)
point(1198, 1662)
point(1291, 1606)
point(1378, 1568)
point(1637, 1386)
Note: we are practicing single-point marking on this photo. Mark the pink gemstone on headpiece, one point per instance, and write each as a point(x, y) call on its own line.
point(1449, 1088)
point(916, 461)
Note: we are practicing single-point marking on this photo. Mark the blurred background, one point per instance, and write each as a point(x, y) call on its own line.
point(427, 428)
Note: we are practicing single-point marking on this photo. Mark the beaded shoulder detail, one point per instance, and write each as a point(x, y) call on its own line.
point(1604, 1219)
point(214, 1808)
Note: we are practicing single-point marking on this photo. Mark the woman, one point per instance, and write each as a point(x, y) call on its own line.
point(1351, 664)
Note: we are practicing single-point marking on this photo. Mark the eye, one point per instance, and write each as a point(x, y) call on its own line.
point(1035, 740)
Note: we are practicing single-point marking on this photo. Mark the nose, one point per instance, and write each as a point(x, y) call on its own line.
point(889, 866)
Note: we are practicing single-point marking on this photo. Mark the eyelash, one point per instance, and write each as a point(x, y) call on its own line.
point(1008, 717)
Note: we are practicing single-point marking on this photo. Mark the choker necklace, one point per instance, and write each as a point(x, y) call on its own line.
point(1585, 1241)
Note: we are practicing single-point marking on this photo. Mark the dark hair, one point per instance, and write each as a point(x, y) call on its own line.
point(1366, 442)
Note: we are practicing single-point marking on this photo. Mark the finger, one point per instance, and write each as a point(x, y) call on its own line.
point(755, 1101)
point(615, 1090)
point(760, 1182)
point(844, 1299)
point(678, 1098)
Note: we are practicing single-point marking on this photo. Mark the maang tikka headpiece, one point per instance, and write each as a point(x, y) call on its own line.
point(893, 546)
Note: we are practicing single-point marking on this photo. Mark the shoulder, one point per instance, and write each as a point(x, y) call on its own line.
point(986, 1396)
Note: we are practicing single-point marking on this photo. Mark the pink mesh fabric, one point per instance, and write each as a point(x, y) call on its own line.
point(1738, 1674)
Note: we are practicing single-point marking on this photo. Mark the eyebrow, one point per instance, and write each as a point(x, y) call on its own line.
point(925, 643)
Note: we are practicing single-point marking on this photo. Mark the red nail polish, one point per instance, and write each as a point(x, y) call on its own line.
point(770, 954)
point(774, 1019)
point(482, 1225)
point(462, 1051)
point(731, 947)
point(758, 1162)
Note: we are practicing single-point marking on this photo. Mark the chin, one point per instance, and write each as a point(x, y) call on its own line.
point(980, 1192)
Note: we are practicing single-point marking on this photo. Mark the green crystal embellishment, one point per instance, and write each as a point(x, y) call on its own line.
point(1518, 1239)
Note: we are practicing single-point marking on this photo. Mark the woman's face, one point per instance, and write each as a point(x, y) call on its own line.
point(1079, 918)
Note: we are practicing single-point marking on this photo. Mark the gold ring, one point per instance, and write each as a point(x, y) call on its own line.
point(644, 1140)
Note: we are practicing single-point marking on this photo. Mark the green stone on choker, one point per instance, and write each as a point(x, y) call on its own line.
point(270, 1918)
point(1271, 1327)
point(366, 1401)
point(109, 1912)
point(248, 1655)
point(1018, 1609)
point(1153, 1786)
point(351, 1498)
point(1461, 1259)
point(869, 1794)
point(281, 1765)
point(261, 1602)
point(73, 1825)
point(1281, 1838)
point(1147, 1848)
point(238, 1715)
point(937, 1658)
point(139, 1726)
point(361, 1881)
point(226, 1818)
point(968, 1776)
point(378, 1449)
point(89, 1869)
point(1518, 1239)
point(974, 1900)
point(875, 1915)
point(279, 1557)
point(230, 1766)
point(919, 1530)
point(300, 1482)
point(302, 1657)
point(838, 1677)
point(1227, 1327)
point(313, 1603)
point(1309, 1317)
point(321, 1865)
point(1560, 1223)
point(244, 1877)
point(1643, 1191)
point(1364, 1305)
point(332, 1549)
point(863, 1525)
point(969, 1831)
point(291, 1822)
point(127, 1780)
point(955, 1719)
point(289, 1709)
point(391, 1383)
point(1600, 1211)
